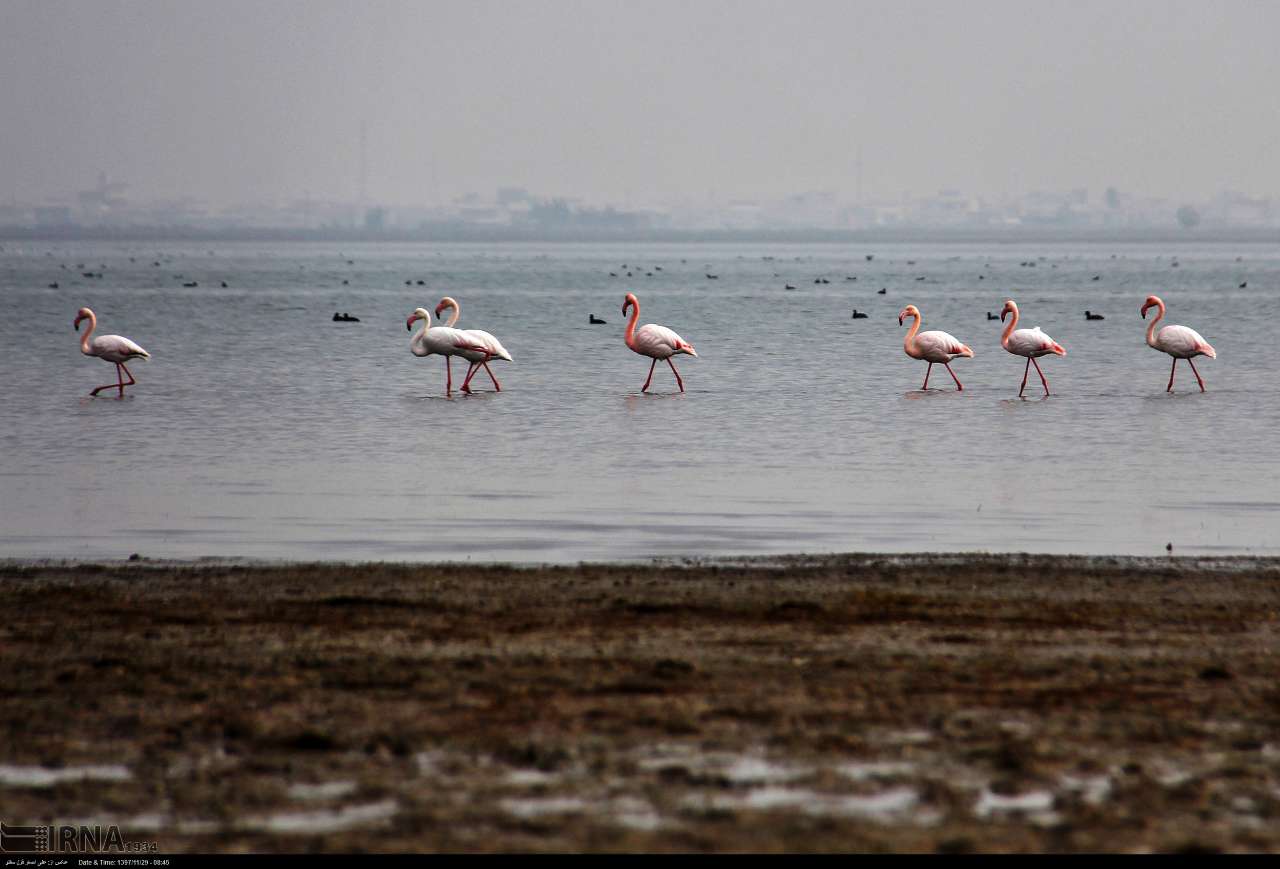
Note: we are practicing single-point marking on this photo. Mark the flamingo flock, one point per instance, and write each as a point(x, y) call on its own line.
point(661, 343)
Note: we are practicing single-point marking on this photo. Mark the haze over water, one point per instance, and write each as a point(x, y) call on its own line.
point(263, 429)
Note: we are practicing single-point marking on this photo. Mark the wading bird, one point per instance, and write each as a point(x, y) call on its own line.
point(1179, 342)
point(656, 342)
point(935, 347)
point(480, 347)
point(113, 348)
point(1030, 343)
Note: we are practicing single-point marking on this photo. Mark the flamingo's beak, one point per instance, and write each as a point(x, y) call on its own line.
point(899, 319)
point(439, 308)
point(1002, 313)
point(1144, 311)
point(409, 325)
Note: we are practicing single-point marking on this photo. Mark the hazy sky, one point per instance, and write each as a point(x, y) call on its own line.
point(236, 100)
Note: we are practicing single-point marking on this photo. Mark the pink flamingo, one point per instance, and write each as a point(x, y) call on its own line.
point(479, 349)
point(1178, 341)
point(937, 347)
point(113, 348)
point(1029, 343)
point(656, 342)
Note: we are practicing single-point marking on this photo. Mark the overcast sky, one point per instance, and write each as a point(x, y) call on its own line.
point(237, 100)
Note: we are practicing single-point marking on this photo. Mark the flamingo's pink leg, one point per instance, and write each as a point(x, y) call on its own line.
point(119, 384)
point(927, 372)
point(448, 373)
point(475, 366)
point(676, 373)
point(1041, 373)
point(1025, 371)
point(959, 385)
point(645, 388)
point(1197, 374)
point(1169, 388)
point(466, 382)
point(496, 385)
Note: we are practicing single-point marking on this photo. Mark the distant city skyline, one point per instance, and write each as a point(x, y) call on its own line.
point(108, 206)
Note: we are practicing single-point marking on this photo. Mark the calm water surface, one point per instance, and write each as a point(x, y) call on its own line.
point(263, 429)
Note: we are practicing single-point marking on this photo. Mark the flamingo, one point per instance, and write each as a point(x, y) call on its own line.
point(440, 340)
point(480, 346)
point(656, 342)
point(113, 348)
point(1179, 342)
point(937, 347)
point(1029, 343)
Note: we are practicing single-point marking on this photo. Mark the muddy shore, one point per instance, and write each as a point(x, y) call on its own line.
point(962, 703)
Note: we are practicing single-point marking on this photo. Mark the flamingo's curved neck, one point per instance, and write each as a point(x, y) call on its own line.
point(457, 311)
point(1008, 330)
point(84, 339)
point(1151, 329)
point(631, 324)
point(425, 316)
point(909, 341)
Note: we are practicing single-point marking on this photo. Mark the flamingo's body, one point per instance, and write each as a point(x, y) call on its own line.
point(935, 347)
point(1031, 343)
point(113, 348)
point(1180, 342)
point(656, 342)
point(477, 347)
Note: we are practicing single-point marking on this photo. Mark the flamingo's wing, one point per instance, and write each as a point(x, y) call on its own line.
point(936, 344)
point(1184, 342)
point(1025, 342)
point(659, 341)
point(117, 348)
point(491, 344)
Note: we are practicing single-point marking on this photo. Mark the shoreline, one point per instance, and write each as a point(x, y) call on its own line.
point(784, 561)
point(942, 702)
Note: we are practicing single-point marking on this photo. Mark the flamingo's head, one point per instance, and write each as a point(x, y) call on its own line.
point(1151, 302)
point(908, 312)
point(446, 302)
point(419, 314)
point(82, 314)
point(628, 302)
point(1010, 307)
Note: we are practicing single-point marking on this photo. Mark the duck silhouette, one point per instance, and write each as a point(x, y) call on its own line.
point(1089, 315)
point(857, 315)
point(881, 291)
point(991, 316)
point(595, 321)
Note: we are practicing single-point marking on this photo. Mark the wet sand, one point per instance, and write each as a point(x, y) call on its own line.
point(961, 703)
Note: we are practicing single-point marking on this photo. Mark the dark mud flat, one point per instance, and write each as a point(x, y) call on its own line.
point(851, 703)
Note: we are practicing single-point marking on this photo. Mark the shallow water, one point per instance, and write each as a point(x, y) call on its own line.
point(263, 429)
